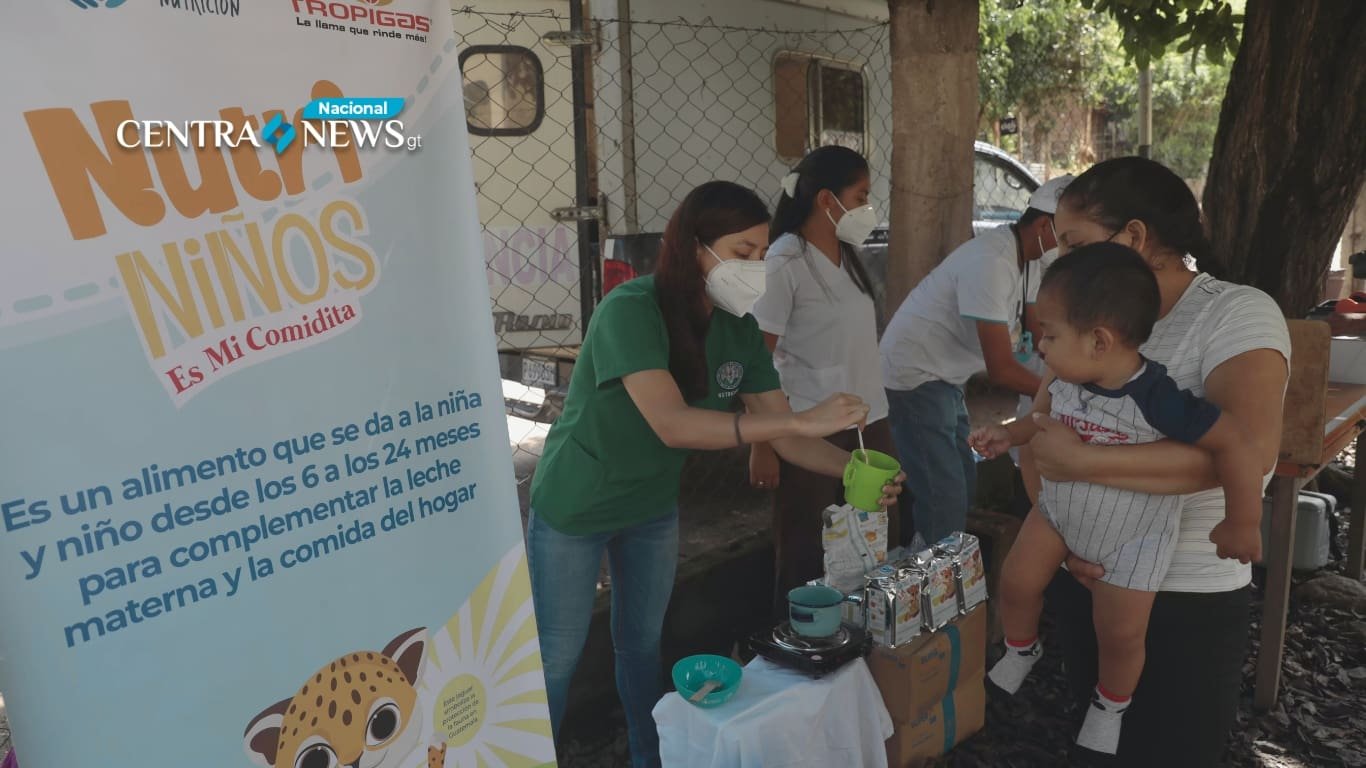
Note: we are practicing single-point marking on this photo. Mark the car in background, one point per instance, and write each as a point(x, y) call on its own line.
point(1000, 193)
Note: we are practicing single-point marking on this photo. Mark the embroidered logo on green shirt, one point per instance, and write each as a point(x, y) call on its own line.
point(729, 377)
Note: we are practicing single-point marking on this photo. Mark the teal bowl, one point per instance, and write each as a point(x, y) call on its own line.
point(693, 672)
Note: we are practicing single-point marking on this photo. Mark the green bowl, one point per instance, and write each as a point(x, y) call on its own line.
point(693, 672)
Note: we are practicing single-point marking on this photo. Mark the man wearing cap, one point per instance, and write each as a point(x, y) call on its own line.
point(966, 315)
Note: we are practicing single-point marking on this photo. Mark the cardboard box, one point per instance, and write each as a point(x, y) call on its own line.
point(943, 726)
point(915, 676)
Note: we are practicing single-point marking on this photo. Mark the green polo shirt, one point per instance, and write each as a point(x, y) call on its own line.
point(603, 467)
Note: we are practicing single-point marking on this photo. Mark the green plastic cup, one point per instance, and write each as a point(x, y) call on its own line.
point(864, 477)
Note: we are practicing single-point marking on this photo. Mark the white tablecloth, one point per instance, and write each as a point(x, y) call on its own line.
point(780, 719)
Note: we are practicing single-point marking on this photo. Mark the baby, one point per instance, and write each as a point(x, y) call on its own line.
point(1096, 306)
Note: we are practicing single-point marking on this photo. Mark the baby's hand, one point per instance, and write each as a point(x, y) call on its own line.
point(1237, 541)
point(990, 441)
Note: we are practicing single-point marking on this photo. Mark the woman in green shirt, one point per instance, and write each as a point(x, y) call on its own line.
point(663, 362)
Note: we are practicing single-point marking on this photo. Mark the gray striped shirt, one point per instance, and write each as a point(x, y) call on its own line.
point(1213, 322)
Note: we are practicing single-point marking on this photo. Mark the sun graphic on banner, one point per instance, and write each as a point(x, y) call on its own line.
point(483, 687)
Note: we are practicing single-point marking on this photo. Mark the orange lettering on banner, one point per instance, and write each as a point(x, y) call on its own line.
point(77, 163)
point(256, 181)
point(292, 159)
point(215, 193)
point(72, 157)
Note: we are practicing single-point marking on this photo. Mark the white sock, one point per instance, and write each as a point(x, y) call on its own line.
point(1100, 731)
point(1010, 672)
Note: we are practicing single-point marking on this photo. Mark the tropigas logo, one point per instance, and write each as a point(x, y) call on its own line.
point(242, 290)
point(362, 18)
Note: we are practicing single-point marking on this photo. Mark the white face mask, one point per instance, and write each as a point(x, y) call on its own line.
point(735, 284)
point(856, 225)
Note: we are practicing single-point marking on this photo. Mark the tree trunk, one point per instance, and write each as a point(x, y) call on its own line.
point(1354, 238)
point(1289, 157)
point(934, 121)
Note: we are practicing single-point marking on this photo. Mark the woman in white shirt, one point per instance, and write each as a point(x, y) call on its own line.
point(818, 316)
point(1229, 344)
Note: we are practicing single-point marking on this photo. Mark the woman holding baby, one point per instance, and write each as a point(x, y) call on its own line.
point(1227, 345)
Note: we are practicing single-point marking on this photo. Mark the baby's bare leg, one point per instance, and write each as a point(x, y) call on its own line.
point(1031, 564)
point(1121, 617)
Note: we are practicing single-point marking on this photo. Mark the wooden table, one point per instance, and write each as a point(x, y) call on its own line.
point(1344, 420)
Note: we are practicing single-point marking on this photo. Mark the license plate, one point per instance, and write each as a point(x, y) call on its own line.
point(540, 373)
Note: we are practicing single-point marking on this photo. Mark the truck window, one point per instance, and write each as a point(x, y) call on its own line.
point(817, 101)
point(999, 193)
point(504, 88)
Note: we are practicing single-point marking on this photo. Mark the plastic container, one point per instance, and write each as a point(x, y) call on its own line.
point(693, 672)
point(1311, 530)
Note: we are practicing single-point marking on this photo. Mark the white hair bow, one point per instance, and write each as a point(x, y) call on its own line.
point(789, 184)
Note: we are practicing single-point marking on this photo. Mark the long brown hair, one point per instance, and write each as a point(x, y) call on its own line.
point(712, 211)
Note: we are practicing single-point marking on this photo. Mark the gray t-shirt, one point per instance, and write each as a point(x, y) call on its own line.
point(1213, 322)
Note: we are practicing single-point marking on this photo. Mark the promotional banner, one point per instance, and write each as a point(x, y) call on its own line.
point(256, 497)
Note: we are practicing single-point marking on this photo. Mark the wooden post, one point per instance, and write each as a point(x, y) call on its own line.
point(1277, 554)
point(934, 121)
point(1356, 538)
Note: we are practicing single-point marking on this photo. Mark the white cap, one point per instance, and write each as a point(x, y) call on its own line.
point(1045, 198)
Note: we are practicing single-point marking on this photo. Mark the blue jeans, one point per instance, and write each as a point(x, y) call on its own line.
point(930, 427)
point(564, 575)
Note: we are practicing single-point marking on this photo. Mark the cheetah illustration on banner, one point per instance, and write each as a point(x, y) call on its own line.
point(361, 708)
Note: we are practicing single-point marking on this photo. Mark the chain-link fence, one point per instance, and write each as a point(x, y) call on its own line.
point(670, 105)
point(518, 87)
point(520, 115)
point(678, 104)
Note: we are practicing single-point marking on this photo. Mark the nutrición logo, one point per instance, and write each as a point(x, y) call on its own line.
point(105, 3)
